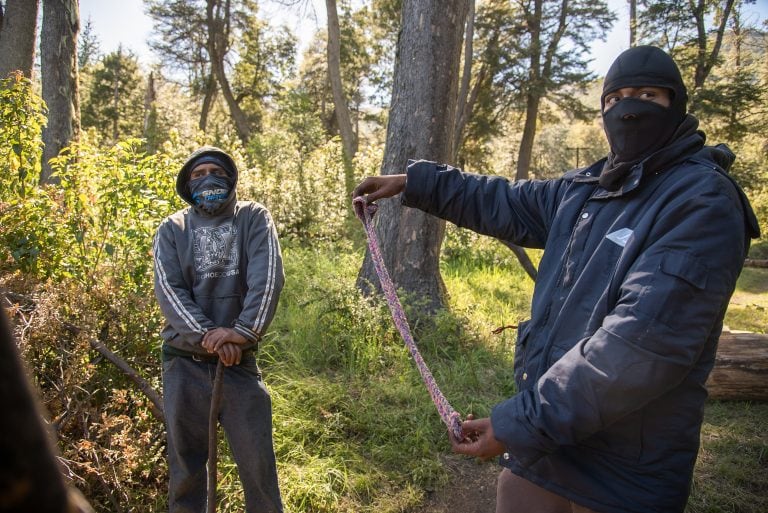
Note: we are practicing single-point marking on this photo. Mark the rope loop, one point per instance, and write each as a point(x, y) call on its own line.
point(449, 416)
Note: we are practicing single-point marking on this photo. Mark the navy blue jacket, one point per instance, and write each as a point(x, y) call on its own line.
point(626, 314)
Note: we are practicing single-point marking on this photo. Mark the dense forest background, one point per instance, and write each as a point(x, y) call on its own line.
point(91, 141)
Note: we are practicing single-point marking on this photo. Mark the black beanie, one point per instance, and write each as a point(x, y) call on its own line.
point(647, 66)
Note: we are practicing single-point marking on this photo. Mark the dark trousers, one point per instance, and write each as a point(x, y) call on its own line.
point(245, 415)
point(517, 495)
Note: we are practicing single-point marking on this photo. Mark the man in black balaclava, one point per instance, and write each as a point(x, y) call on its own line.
point(644, 115)
point(641, 254)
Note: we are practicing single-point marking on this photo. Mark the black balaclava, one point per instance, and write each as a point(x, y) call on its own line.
point(638, 128)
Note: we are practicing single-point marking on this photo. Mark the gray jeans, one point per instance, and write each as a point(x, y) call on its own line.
point(245, 415)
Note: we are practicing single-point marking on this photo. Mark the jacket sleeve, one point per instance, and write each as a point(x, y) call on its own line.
point(670, 306)
point(173, 293)
point(265, 277)
point(520, 212)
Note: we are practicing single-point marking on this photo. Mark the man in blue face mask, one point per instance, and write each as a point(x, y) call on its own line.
point(641, 254)
point(218, 277)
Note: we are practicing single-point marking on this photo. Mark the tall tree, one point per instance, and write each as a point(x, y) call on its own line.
point(113, 104)
point(182, 47)
point(88, 46)
point(632, 23)
point(526, 52)
point(58, 51)
point(463, 105)
point(421, 123)
point(18, 35)
point(682, 28)
point(341, 107)
point(218, 23)
point(558, 34)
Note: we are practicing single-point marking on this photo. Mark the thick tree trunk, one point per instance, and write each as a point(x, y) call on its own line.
point(18, 34)
point(348, 137)
point(421, 124)
point(741, 368)
point(58, 50)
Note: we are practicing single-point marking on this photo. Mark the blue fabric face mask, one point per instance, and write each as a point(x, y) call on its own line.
point(210, 192)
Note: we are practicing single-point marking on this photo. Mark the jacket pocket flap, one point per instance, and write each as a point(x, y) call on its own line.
point(685, 266)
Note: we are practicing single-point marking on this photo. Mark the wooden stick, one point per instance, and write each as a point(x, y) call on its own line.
point(213, 421)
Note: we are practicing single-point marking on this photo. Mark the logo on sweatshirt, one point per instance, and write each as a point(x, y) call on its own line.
point(216, 251)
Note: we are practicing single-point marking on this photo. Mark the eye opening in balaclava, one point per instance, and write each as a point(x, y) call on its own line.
point(636, 128)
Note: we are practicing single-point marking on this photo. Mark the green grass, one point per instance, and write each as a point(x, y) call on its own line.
point(355, 430)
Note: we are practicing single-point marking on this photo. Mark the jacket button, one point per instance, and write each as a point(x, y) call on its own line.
point(585, 215)
point(505, 456)
point(525, 376)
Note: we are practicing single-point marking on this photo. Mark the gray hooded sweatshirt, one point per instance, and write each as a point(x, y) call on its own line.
point(216, 270)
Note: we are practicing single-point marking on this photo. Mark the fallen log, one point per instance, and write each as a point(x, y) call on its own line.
point(741, 368)
point(755, 262)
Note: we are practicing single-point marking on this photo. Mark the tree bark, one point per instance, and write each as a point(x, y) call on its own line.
point(58, 51)
point(218, 23)
point(18, 34)
point(632, 23)
point(348, 136)
point(421, 124)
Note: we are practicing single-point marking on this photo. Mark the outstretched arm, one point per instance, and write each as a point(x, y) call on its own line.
point(378, 187)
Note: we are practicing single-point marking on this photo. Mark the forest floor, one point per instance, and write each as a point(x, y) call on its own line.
point(471, 489)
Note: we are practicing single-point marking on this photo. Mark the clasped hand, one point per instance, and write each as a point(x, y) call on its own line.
point(226, 343)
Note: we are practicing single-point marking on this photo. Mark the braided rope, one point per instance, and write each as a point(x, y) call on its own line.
point(448, 415)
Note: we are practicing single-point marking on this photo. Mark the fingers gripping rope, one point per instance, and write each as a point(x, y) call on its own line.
point(449, 416)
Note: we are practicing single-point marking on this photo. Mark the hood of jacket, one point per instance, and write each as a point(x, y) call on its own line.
point(182, 180)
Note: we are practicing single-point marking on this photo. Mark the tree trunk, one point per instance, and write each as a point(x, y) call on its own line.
point(218, 35)
point(741, 368)
point(533, 97)
point(632, 23)
point(18, 34)
point(462, 112)
point(523, 258)
point(529, 134)
point(208, 97)
point(348, 137)
point(58, 51)
point(706, 60)
point(421, 123)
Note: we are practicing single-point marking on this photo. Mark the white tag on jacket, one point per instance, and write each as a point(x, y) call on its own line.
point(620, 237)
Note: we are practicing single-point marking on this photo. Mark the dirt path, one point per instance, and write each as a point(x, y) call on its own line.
point(472, 488)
